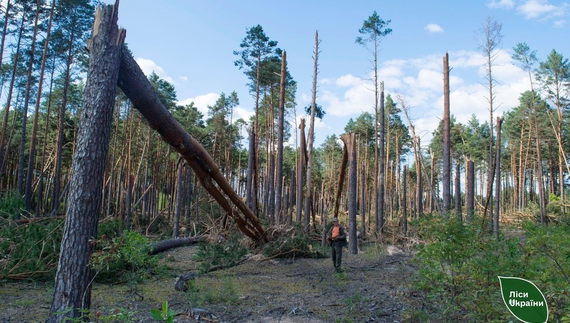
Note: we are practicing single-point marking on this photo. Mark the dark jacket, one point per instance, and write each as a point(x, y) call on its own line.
point(341, 238)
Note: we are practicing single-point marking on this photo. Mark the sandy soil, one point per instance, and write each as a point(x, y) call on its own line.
point(375, 287)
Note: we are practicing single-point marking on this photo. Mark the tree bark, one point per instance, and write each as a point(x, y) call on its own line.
point(382, 153)
point(498, 180)
point(280, 130)
point(405, 198)
point(74, 276)
point(350, 142)
point(250, 196)
point(470, 191)
point(419, 185)
point(162, 246)
point(179, 199)
point(300, 172)
point(446, 139)
point(458, 191)
point(340, 180)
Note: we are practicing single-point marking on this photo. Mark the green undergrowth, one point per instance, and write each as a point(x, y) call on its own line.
point(29, 251)
point(460, 264)
point(124, 258)
point(225, 254)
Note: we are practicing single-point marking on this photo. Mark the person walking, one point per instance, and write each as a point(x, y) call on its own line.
point(337, 239)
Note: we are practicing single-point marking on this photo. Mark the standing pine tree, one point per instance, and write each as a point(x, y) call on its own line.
point(255, 47)
point(373, 30)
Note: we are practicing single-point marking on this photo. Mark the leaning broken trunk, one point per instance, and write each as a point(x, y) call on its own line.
point(138, 89)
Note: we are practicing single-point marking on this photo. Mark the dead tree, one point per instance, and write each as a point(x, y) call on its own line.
point(420, 168)
point(311, 131)
point(340, 180)
point(349, 140)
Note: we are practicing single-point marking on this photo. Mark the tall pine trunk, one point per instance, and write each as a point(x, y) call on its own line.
point(74, 276)
point(382, 152)
point(280, 130)
point(350, 142)
point(498, 180)
point(446, 139)
point(311, 130)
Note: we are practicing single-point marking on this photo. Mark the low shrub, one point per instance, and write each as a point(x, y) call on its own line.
point(123, 258)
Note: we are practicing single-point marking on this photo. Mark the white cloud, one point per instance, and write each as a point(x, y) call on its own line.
point(148, 66)
point(433, 28)
point(355, 100)
point(501, 4)
point(243, 113)
point(348, 80)
point(532, 9)
point(201, 102)
point(420, 81)
point(559, 23)
point(183, 78)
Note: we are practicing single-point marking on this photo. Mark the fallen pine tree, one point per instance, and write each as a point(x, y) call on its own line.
point(164, 245)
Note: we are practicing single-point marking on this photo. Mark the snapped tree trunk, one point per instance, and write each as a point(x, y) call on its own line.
point(138, 89)
point(340, 180)
point(74, 276)
point(349, 140)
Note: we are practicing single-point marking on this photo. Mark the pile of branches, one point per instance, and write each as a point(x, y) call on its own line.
point(287, 241)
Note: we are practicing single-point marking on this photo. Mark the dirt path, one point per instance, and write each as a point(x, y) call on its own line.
point(373, 288)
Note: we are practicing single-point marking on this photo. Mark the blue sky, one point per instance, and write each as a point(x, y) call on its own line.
point(191, 43)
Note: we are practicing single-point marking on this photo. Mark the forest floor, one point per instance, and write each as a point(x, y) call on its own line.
point(375, 287)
